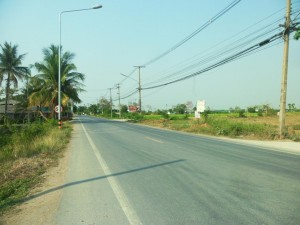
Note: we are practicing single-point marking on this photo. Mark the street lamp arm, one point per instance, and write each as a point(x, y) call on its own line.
point(77, 10)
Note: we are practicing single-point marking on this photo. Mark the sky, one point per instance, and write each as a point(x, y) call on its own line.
point(112, 40)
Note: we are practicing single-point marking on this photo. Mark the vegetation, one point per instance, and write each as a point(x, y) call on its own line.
point(10, 68)
point(26, 152)
point(45, 83)
point(28, 149)
point(249, 126)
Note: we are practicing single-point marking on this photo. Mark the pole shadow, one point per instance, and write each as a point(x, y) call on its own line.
point(26, 199)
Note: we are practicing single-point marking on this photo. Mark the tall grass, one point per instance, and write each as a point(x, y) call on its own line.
point(25, 153)
point(31, 139)
point(229, 128)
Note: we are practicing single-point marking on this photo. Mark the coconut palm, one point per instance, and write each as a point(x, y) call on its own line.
point(45, 82)
point(10, 68)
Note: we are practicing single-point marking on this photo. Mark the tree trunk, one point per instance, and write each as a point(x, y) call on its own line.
point(7, 93)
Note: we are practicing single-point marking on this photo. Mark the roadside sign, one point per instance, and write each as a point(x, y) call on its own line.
point(201, 106)
point(56, 109)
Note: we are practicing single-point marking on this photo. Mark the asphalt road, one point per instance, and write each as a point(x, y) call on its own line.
point(121, 173)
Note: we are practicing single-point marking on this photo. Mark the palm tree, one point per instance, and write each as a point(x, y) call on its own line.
point(45, 82)
point(10, 67)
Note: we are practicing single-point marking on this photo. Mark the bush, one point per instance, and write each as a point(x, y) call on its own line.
point(241, 113)
point(205, 115)
point(135, 117)
point(165, 115)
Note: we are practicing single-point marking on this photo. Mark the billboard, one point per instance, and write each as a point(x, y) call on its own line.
point(133, 108)
point(200, 106)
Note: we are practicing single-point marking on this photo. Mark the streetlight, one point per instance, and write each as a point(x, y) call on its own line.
point(59, 57)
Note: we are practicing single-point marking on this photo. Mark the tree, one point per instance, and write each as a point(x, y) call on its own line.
point(180, 108)
point(291, 107)
point(104, 106)
point(93, 108)
point(46, 81)
point(189, 106)
point(124, 109)
point(10, 68)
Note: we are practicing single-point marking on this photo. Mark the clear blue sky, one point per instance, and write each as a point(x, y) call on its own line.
point(123, 34)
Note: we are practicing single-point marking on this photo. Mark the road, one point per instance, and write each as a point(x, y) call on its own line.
point(121, 173)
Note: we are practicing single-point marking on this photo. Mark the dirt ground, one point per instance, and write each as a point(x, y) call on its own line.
point(41, 205)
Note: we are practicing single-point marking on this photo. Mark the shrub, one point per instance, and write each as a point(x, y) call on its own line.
point(135, 117)
point(241, 113)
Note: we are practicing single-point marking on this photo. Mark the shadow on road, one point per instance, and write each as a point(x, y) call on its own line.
point(95, 179)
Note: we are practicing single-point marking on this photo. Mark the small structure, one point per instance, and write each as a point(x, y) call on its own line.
point(11, 108)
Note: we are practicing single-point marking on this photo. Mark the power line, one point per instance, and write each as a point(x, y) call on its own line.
point(237, 55)
point(202, 27)
point(231, 48)
point(221, 13)
point(224, 61)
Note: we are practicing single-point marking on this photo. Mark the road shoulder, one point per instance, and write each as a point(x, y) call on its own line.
point(40, 206)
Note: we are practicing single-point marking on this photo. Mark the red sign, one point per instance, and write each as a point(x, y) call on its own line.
point(132, 108)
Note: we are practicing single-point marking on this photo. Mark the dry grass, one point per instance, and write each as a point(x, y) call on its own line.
point(291, 119)
point(250, 127)
point(26, 156)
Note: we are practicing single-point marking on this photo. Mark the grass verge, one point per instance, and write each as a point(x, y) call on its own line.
point(230, 125)
point(26, 151)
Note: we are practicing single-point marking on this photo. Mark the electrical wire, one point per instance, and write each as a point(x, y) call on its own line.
point(190, 36)
point(242, 42)
point(221, 13)
point(232, 47)
point(224, 61)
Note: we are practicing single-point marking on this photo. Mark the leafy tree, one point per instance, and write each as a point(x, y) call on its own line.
point(291, 107)
point(10, 68)
point(81, 109)
point(93, 108)
point(180, 108)
point(105, 106)
point(251, 109)
point(124, 109)
point(46, 81)
point(189, 106)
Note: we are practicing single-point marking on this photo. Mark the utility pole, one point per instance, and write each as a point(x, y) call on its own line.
point(110, 102)
point(284, 70)
point(118, 86)
point(140, 88)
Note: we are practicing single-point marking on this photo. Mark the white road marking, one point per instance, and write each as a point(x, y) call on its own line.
point(152, 139)
point(128, 210)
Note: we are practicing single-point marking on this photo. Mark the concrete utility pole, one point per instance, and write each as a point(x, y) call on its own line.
point(284, 70)
point(118, 86)
point(110, 103)
point(140, 88)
